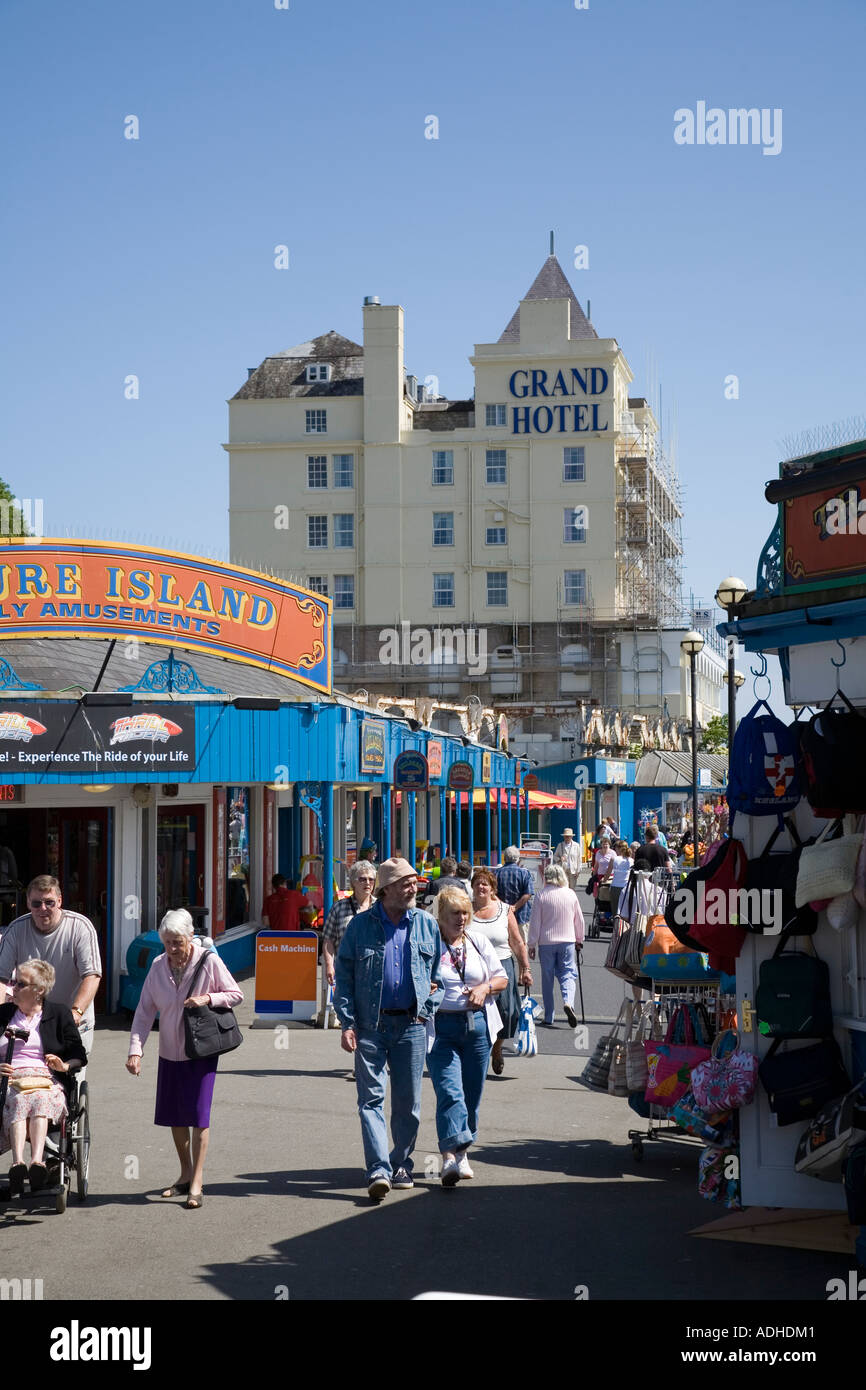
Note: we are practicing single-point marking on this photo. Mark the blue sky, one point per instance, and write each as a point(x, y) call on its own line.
point(305, 126)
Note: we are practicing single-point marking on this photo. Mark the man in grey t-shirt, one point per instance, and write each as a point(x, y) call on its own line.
point(67, 940)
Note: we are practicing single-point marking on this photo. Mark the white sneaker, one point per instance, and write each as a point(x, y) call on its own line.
point(463, 1167)
point(451, 1174)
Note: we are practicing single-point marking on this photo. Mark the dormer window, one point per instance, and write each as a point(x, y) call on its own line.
point(319, 371)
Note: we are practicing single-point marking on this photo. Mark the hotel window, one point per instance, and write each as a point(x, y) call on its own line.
point(344, 470)
point(443, 467)
point(496, 466)
point(317, 470)
point(443, 591)
point(317, 532)
point(344, 531)
point(575, 586)
point(319, 371)
point(496, 535)
point(443, 528)
point(494, 415)
point(319, 584)
point(344, 591)
point(571, 532)
point(574, 465)
point(497, 589)
point(317, 421)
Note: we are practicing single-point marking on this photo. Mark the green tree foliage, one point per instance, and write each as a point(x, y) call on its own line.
point(714, 738)
point(12, 521)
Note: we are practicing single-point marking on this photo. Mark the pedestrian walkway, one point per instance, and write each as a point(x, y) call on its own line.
point(558, 1208)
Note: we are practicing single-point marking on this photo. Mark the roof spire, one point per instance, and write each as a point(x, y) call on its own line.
point(551, 244)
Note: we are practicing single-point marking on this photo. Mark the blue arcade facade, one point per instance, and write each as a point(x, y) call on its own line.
point(148, 776)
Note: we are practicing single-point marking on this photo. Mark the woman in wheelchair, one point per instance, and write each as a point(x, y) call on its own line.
point(51, 1049)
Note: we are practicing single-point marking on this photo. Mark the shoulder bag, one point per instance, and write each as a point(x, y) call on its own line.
point(793, 995)
point(798, 1083)
point(209, 1031)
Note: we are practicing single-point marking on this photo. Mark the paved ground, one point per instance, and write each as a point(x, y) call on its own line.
point(557, 1203)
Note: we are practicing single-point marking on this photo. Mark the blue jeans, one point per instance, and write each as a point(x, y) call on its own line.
point(559, 961)
point(400, 1046)
point(457, 1064)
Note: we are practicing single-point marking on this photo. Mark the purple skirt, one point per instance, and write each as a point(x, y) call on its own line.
point(184, 1091)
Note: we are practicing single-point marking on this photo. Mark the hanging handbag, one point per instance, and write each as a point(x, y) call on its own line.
point(798, 1083)
point(832, 744)
point(719, 1176)
point(617, 1082)
point(826, 1141)
point(208, 1030)
point(635, 1060)
point(729, 1079)
point(695, 1119)
point(827, 869)
point(793, 995)
point(698, 912)
point(589, 889)
point(775, 875)
point(669, 1064)
point(526, 1037)
point(668, 961)
point(596, 1073)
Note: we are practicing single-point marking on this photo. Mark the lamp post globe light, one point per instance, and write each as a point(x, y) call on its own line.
point(730, 595)
point(692, 644)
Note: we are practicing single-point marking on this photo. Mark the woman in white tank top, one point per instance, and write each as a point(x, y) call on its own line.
point(495, 920)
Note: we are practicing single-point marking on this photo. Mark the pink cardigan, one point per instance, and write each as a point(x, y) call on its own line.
point(160, 995)
point(556, 918)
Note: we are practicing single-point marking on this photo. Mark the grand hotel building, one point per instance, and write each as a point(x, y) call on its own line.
point(541, 513)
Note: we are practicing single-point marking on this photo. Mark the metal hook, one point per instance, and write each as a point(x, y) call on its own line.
point(839, 664)
point(763, 669)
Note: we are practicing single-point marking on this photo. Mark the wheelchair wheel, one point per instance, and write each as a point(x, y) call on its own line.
point(81, 1143)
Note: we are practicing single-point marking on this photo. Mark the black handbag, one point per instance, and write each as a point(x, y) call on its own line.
point(776, 874)
point(832, 744)
point(798, 1083)
point(209, 1031)
point(793, 995)
point(590, 886)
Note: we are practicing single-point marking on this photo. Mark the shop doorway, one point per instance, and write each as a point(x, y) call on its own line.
point(180, 865)
point(74, 844)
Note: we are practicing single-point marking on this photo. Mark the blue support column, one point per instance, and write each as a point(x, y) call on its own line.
point(296, 834)
point(526, 794)
point(510, 818)
point(385, 846)
point(487, 824)
point(499, 844)
point(327, 847)
point(459, 835)
point(428, 820)
point(410, 802)
point(443, 821)
point(470, 800)
point(368, 797)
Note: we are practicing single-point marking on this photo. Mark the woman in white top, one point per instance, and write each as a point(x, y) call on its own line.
point(466, 1024)
point(622, 867)
point(494, 919)
point(556, 927)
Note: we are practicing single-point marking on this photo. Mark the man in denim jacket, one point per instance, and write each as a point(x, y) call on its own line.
point(387, 986)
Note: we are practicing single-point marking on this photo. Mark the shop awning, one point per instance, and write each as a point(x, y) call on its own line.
point(538, 801)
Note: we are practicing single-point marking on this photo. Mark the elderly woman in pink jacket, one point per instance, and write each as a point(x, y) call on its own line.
point(184, 1088)
point(556, 928)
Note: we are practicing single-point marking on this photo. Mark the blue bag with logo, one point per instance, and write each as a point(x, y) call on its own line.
point(764, 779)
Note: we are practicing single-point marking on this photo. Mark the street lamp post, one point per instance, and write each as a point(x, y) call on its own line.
point(692, 644)
point(730, 595)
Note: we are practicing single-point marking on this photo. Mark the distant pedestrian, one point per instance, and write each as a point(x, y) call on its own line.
point(368, 850)
point(467, 1022)
point(282, 908)
point(494, 919)
point(362, 877)
point(567, 855)
point(650, 854)
point(556, 927)
point(514, 885)
point(622, 866)
point(464, 873)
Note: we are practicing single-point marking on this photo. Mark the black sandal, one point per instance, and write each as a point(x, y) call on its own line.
point(194, 1201)
point(17, 1175)
point(177, 1189)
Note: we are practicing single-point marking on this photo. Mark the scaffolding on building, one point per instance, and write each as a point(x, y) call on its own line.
point(648, 524)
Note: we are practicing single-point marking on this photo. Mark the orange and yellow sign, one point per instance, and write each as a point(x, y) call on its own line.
point(58, 588)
